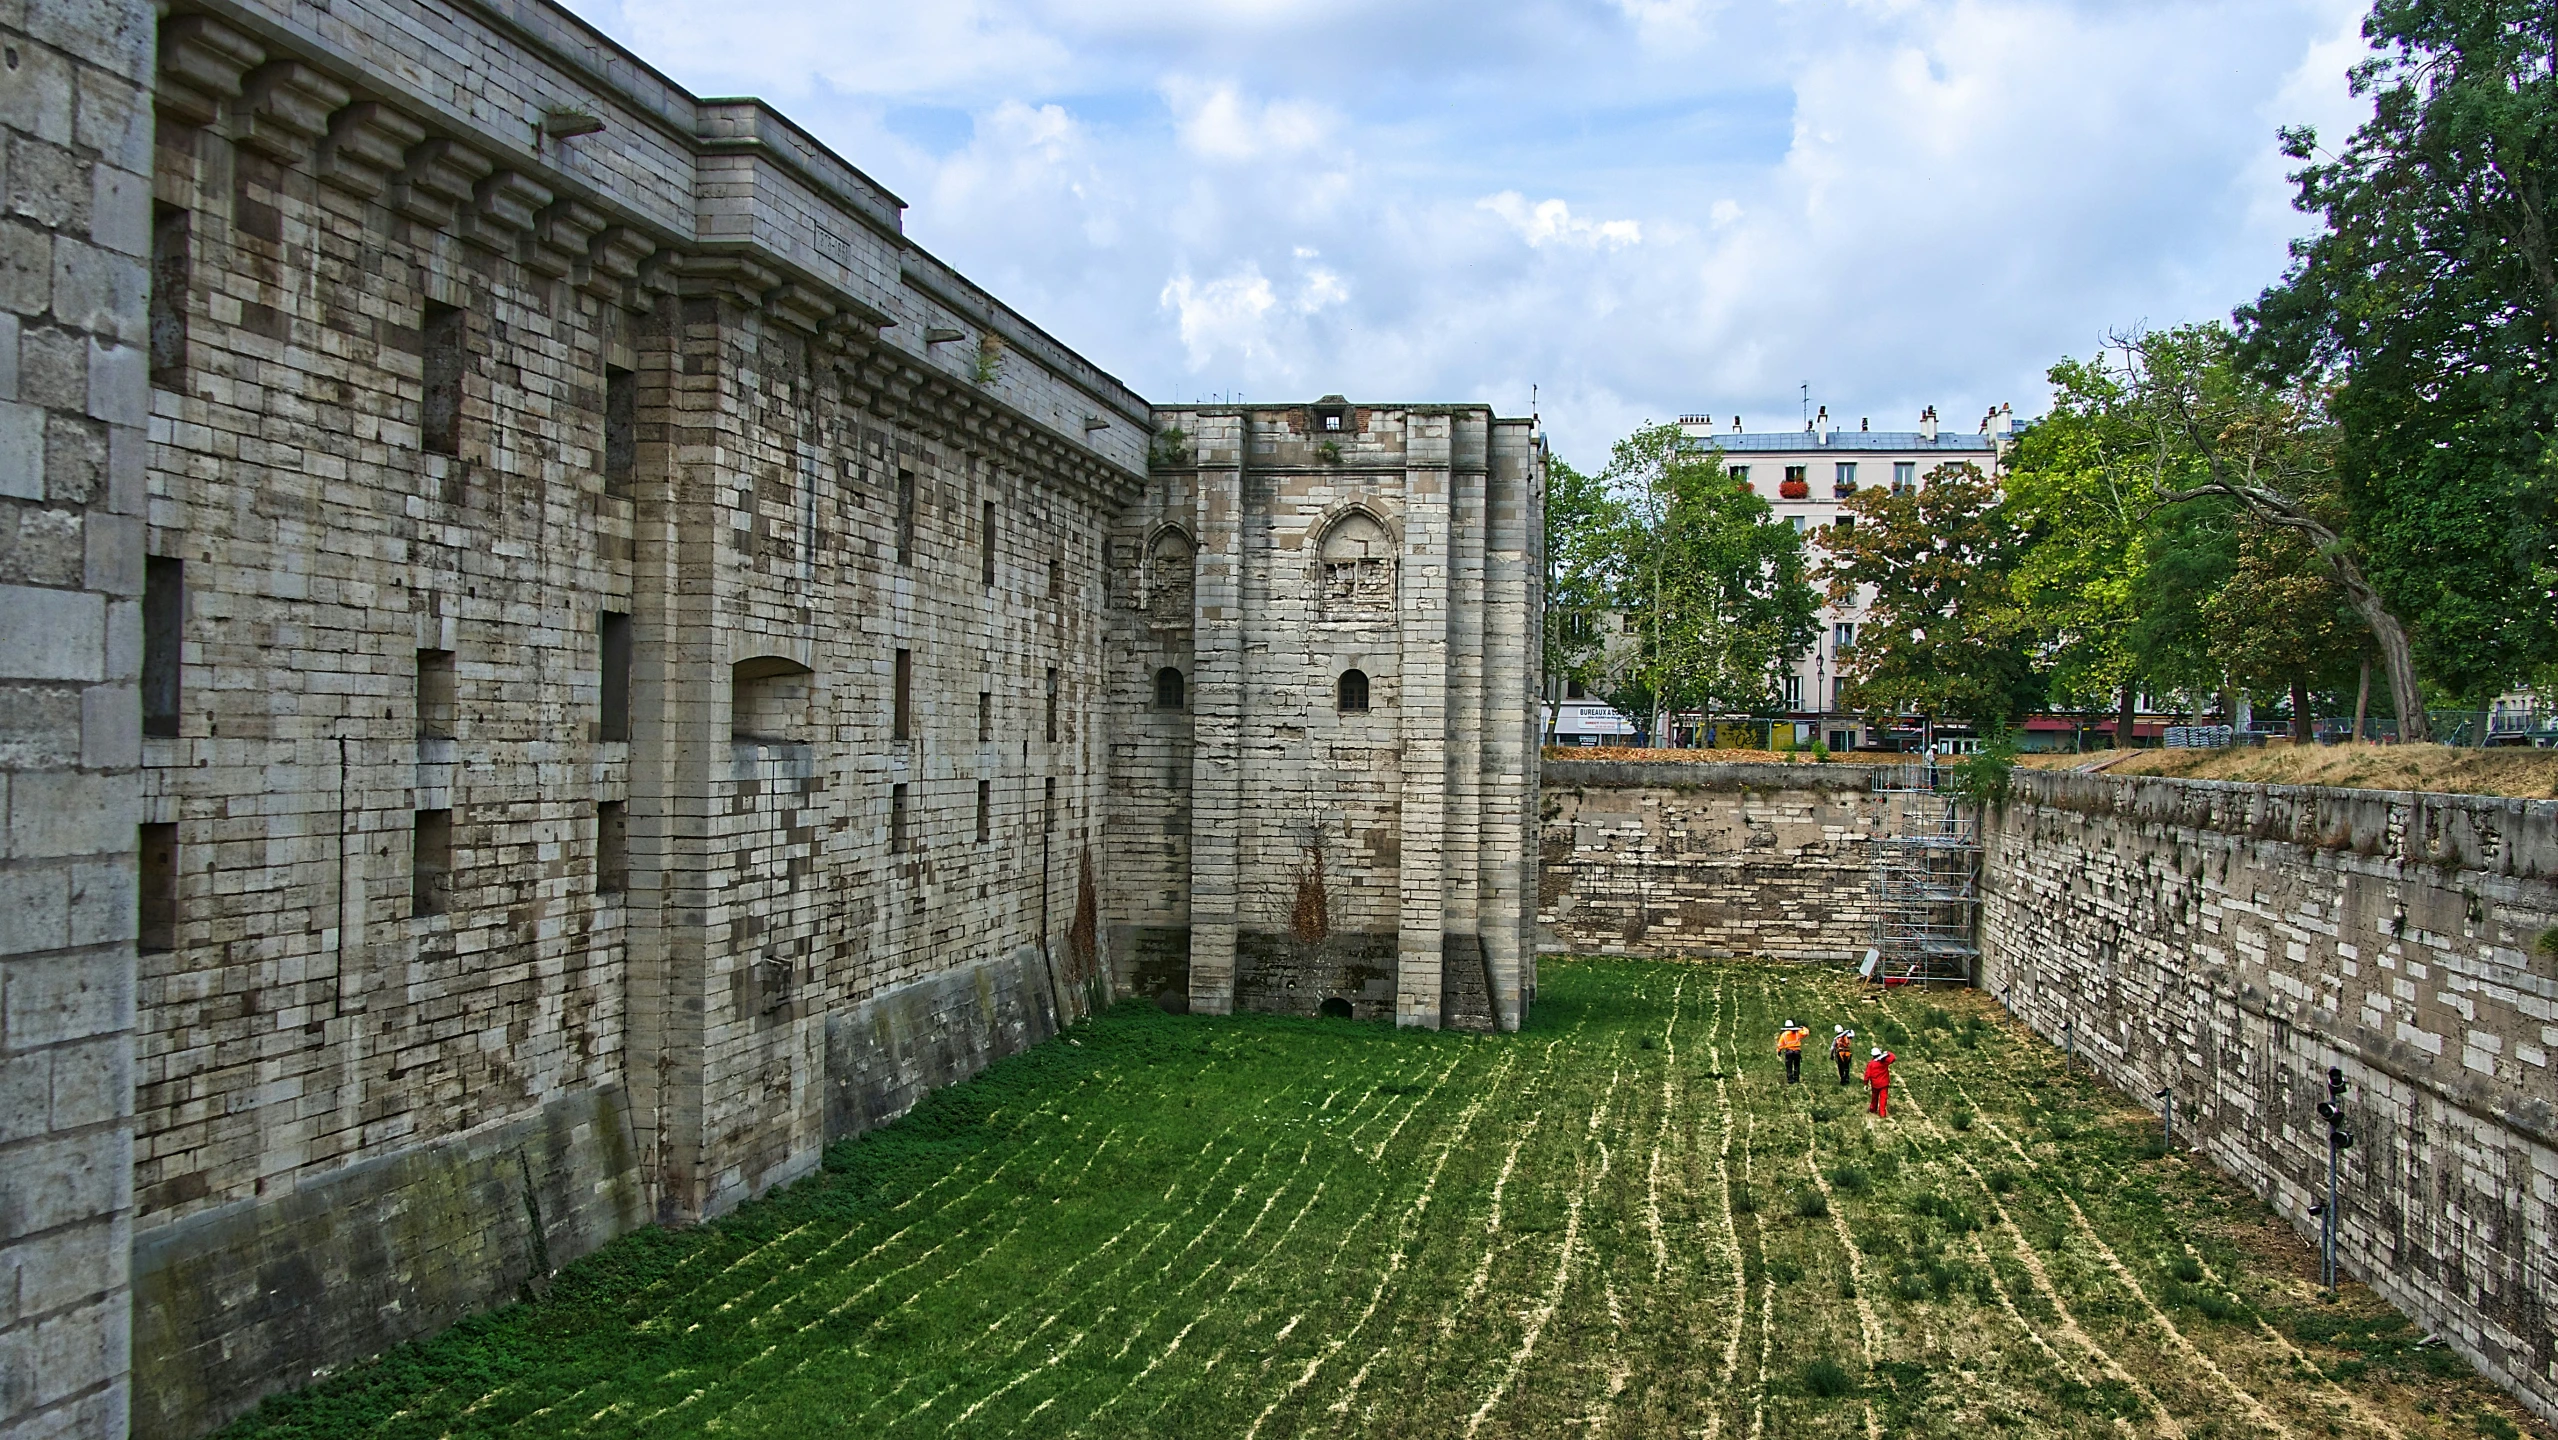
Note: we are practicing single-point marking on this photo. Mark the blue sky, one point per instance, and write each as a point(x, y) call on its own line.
point(1640, 207)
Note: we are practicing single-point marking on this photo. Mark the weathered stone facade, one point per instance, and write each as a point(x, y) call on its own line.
point(1676, 859)
point(2231, 942)
point(1323, 622)
point(618, 681)
point(75, 130)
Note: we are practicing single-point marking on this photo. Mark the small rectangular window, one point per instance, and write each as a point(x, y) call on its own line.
point(985, 714)
point(1904, 474)
point(1048, 805)
point(435, 694)
point(1052, 702)
point(621, 430)
point(986, 546)
point(612, 847)
point(1056, 579)
point(1793, 692)
point(164, 611)
point(1795, 474)
point(172, 272)
point(897, 818)
point(613, 708)
point(1740, 473)
point(985, 809)
point(440, 424)
point(902, 708)
point(1842, 634)
point(159, 889)
point(905, 517)
point(431, 863)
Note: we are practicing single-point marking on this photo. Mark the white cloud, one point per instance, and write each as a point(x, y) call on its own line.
point(1223, 316)
point(1551, 222)
point(1219, 123)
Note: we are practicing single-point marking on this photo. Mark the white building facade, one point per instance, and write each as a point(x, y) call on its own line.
point(1809, 476)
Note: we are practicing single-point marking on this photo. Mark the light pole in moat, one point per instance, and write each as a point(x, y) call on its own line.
point(2167, 1138)
point(2331, 1110)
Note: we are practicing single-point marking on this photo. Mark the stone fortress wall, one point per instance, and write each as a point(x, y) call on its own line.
point(557, 663)
point(2231, 942)
point(1324, 751)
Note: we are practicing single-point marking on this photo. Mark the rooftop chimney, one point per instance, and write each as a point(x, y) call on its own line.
point(1736, 424)
point(1927, 424)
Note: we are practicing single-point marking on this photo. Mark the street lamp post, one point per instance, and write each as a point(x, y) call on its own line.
point(2339, 1139)
point(2167, 1137)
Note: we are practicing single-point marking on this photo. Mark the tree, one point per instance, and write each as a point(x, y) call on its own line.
point(2279, 622)
point(1584, 561)
point(2202, 425)
point(2429, 298)
point(1719, 593)
point(1943, 635)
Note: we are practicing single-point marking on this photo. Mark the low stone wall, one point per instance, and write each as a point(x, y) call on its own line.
point(891, 1050)
point(2231, 942)
point(1676, 858)
point(264, 1295)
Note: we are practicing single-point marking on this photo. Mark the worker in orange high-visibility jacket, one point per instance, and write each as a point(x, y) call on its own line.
point(1843, 1050)
point(1789, 1044)
point(1878, 1078)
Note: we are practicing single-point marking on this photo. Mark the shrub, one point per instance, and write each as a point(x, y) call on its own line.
point(2061, 1130)
point(1851, 1180)
point(1961, 1120)
point(1827, 1379)
point(2216, 1306)
point(2000, 1181)
point(1811, 1204)
point(1743, 1202)
point(2186, 1269)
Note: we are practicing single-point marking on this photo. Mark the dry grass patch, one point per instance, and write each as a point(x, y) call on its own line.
point(2451, 770)
point(1619, 1223)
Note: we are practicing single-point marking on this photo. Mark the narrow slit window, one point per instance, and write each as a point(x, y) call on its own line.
point(985, 810)
point(905, 517)
point(164, 609)
point(621, 430)
point(1052, 703)
point(902, 706)
point(1168, 689)
point(613, 644)
point(1056, 579)
point(159, 888)
point(172, 250)
point(897, 837)
point(435, 695)
point(1048, 805)
point(1351, 696)
point(985, 714)
point(612, 847)
point(431, 863)
point(986, 545)
point(440, 424)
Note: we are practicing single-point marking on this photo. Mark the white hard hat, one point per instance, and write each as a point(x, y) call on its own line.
point(1878, 1052)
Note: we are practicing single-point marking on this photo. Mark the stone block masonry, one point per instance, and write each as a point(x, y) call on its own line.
point(2231, 942)
point(75, 213)
point(1669, 859)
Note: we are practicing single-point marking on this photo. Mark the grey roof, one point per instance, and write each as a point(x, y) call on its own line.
point(1790, 441)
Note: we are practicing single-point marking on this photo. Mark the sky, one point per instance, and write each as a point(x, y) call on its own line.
point(1614, 210)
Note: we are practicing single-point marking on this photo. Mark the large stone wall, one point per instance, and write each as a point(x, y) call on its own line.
point(1281, 548)
point(74, 333)
point(480, 955)
point(2231, 942)
point(1681, 858)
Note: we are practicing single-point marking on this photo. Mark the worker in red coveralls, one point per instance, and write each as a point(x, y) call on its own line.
point(1878, 1078)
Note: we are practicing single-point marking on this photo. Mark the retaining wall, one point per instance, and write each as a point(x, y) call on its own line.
point(2231, 942)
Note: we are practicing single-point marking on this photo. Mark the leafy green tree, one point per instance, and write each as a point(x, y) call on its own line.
point(2430, 298)
point(1943, 635)
point(1719, 593)
point(1584, 564)
point(2280, 623)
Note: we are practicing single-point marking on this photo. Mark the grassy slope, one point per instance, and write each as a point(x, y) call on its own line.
point(1614, 1223)
point(2455, 770)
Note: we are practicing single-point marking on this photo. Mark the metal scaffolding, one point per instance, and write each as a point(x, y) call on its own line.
point(1926, 880)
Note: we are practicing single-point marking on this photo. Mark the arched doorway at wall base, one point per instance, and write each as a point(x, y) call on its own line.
point(1335, 1008)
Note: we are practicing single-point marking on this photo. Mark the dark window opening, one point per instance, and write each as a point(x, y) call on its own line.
point(1351, 697)
point(440, 425)
point(1056, 579)
point(172, 230)
point(1336, 1008)
point(985, 714)
point(1052, 702)
point(613, 715)
point(897, 818)
point(612, 847)
point(985, 809)
point(159, 889)
point(435, 695)
point(1048, 805)
point(905, 517)
point(1572, 691)
point(621, 430)
point(164, 609)
point(431, 863)
point(986, 545)
point(902, 708)
point(1168, 689)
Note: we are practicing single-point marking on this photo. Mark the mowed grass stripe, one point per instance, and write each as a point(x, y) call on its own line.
point(1619, 1223)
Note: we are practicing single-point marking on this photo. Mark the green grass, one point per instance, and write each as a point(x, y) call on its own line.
point(1615, 1223)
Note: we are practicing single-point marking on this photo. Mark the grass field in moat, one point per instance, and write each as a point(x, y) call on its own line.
point(1614, 1223)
